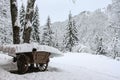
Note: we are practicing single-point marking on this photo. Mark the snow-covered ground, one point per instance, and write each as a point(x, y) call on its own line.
point(71, 66)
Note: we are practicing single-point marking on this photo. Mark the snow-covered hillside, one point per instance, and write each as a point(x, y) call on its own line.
point(5, 22)
point(90, 25)
point(72, 66)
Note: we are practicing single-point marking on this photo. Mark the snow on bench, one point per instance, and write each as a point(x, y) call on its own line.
point(12, 49)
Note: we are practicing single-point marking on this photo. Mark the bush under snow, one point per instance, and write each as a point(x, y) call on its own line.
point(82, 49)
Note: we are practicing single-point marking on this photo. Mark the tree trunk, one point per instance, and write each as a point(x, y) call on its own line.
point(27, 33)
point(13, 7)
point(28, 18)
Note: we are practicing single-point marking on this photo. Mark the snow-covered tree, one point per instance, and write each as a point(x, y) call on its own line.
point(22, 16)
point(22, 20)
point(71, 36)
point(114, 20)
point(115, 45)
point(56, 44)
point(47, 37)
point(28, 21)
point(15, 26)
point(114, 13)
point(99, 46)
point(35, 26)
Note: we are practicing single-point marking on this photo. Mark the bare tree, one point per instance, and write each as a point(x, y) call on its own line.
point(15, 27)
point(28, 21)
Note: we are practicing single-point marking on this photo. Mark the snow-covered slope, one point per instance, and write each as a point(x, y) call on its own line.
point(90, 25)
point(72, 66)
point(82, 49)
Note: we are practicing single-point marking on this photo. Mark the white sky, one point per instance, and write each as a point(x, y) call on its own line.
point(58, 10)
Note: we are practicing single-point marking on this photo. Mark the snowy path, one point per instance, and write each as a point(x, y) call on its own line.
point(70, 67)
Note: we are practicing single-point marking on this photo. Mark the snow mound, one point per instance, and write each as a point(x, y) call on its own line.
point(18, 48)
point(5, 59)
point(81, 49)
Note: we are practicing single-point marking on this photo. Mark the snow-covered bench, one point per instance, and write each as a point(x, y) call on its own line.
point(12, 49)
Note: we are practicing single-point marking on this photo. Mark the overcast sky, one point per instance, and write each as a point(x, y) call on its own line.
point(58, 10)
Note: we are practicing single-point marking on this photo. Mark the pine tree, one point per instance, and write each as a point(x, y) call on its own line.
point(22, 20)
point(71, 35)
point(35, 24)
point(99, 47)
point(47, 38)
point(22, 17)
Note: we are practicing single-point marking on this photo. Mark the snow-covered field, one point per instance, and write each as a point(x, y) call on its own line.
point(71, 66)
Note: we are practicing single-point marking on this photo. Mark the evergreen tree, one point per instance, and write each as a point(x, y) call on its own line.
point(22, 17)
point(22, 20)
point(71, 35)
point(99, 47)
point(47, 38)
point(35, 24)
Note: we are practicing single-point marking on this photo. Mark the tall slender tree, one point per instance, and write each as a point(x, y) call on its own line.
point(15, 27)
point(115, 46)
point(35, 26)
point(22, 16)
point(47, 38)
point(28, 21)
point(71, 35)
point(22, 20)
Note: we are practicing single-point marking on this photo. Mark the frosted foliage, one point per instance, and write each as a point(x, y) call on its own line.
point(5, 22)
point(115, 13)
point(114, 22)
point(35, 24)
point(71, 35)
point(47, 36)
point(88, 24)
